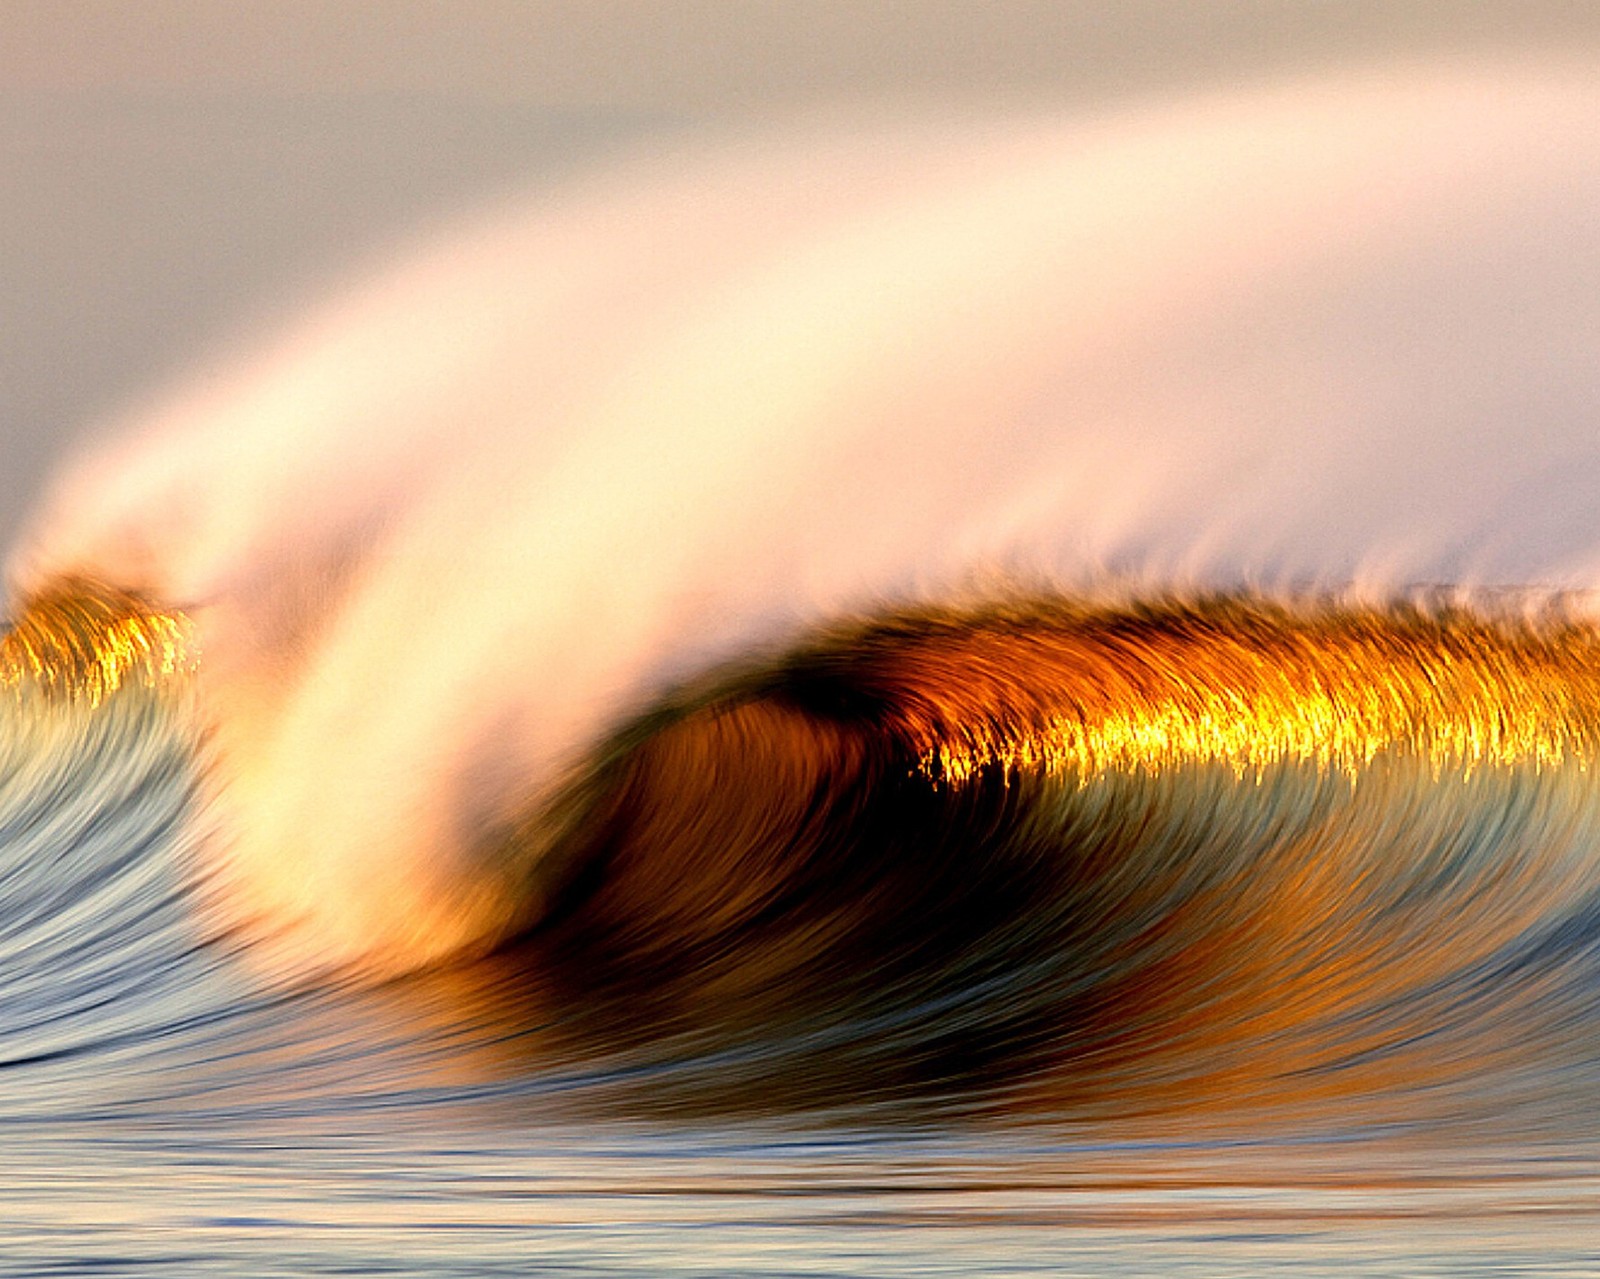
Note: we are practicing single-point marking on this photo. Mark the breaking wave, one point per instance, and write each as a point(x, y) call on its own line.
point(939, 621)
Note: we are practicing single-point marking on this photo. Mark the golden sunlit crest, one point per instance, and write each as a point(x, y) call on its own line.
point(81, 641)
point(1248, 686)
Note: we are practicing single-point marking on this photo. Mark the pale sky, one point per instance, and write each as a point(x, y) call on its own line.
point(715, 54)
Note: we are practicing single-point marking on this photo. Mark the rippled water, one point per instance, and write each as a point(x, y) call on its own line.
point(167, 1104)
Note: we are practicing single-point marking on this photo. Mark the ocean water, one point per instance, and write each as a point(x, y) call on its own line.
point(168, 1102)
point(1012, 696)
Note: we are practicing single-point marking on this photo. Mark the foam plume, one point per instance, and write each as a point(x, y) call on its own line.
point(442, 538)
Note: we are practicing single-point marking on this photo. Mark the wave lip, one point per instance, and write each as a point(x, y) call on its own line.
point(1248, 685)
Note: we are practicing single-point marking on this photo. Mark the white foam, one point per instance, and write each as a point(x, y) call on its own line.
point(1340, 333)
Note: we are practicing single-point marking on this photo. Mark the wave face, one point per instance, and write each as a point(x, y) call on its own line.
point(1028, 658)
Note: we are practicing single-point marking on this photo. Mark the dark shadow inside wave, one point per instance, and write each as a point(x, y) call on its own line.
point(774, 896)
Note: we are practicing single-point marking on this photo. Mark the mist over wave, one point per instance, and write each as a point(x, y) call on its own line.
point(445, 540)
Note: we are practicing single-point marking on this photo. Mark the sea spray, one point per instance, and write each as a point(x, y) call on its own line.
point(442, 540)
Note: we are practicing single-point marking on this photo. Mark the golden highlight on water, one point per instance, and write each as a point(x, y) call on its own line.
point(1081, 693)
point(82, 642)
point(1056, 687)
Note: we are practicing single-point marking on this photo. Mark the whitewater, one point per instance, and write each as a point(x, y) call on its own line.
point(985, 694)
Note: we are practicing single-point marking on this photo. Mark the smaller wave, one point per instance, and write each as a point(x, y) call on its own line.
point(83, 641)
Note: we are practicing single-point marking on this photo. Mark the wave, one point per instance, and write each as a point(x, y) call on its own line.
point(1224, 858)
point(927, 616)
